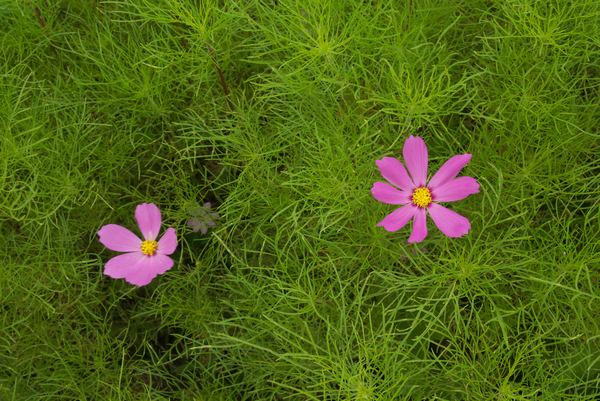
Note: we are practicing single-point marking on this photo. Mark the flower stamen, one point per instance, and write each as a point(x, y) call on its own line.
point(421, 197)
point(149, 247)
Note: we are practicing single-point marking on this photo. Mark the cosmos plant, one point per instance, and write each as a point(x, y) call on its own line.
point(418, 196)
point(144, 259)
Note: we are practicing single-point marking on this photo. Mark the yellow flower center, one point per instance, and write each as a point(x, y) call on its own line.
point(421, 197)
point(149, 247)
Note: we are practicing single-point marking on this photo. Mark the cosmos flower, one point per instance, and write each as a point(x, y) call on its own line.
point(420, 197)
point(144, 259)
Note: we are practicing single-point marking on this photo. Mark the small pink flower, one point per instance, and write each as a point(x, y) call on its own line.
point(420, 197)
point(145, 259)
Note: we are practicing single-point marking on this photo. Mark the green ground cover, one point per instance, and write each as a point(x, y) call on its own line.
point(275, 111)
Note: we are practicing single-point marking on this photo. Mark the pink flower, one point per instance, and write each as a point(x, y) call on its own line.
point(145, 259)
point(419, 197)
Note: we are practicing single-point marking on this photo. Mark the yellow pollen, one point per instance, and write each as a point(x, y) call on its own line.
point(149, 247)
point(421, 197)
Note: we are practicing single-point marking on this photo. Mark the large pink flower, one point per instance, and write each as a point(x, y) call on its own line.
point(419, 197)
point(145, 259)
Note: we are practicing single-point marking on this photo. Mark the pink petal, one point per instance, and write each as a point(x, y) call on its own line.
point(449, 170)
point(388, 194)
point(419, 231)
point(393, 170)
point(120, 266)
point(415, 157)
point(148, 219)
point(455, 190)
point(398, 218)
point(168, 243)
point(148, 269)
point(450, 223)
point(118, 238)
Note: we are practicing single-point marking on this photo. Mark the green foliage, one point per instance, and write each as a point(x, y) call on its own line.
point(274, 111)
